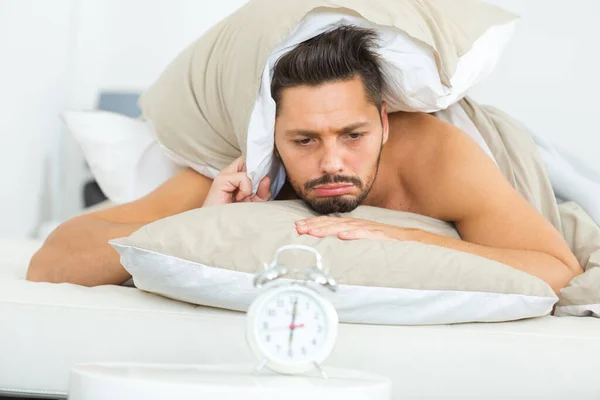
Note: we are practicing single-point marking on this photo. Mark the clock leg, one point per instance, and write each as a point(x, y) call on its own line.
point(260, 366)
point(321, 371)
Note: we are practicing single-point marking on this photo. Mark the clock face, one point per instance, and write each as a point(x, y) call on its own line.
point(292, 327)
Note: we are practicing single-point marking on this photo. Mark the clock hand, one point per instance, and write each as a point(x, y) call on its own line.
point(281, 328)
point(292, 326)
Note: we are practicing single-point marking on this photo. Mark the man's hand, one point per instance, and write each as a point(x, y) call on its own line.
point(536, 263)
point(351, 229)
point(233, 185)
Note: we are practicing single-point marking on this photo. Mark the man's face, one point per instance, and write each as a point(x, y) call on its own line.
point(329, 139)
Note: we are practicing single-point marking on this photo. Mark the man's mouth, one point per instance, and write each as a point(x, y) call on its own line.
point(333, 190)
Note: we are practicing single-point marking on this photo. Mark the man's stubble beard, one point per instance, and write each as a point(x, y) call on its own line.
point(335, 204)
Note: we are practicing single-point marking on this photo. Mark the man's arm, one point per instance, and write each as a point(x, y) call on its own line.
point(78, 250)
point(493, 220)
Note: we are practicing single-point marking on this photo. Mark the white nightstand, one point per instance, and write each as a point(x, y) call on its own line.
point(115, 381)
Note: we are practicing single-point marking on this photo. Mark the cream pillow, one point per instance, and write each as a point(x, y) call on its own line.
point(213, 101)
point(208, 257)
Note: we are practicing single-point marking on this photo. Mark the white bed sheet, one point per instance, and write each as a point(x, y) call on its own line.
point(47, 328)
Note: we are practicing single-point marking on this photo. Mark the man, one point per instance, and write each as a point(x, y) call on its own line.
point(340, 149)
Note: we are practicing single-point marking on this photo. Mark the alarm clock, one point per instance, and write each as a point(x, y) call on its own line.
point(291, 327)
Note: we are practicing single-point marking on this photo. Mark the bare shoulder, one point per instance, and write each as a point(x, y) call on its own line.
point(423, 135)
point(435, 157)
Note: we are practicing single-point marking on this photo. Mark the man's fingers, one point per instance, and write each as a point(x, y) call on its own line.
point(318, 228)
point(237, 184)
point(364, 233)
point(318, 221)
point(350, 229)
point(331, 229)
point(327, 225)
point(263, 193)
point(244, 186)
point(358, 233)
point(321, 218)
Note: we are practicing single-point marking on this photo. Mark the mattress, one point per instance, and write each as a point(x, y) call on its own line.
point(47, 328)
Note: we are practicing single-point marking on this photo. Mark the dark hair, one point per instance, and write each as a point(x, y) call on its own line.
point(336, 55)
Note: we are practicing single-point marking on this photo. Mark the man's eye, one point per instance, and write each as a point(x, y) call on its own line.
point(303, 142)
point(355, 136)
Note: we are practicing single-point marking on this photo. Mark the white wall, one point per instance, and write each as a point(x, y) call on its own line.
point(34, 43)
point(126, 44)
point(548, 75)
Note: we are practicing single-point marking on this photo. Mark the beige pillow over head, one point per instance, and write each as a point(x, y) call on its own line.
point(209, 256)
point(202, 103)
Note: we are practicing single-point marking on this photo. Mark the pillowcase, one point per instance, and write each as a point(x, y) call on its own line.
point(209, 256)
point(123, 153)
point(581, 298)
point(213, 101)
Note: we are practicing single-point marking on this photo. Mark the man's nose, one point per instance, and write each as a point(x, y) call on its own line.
point(332, 160)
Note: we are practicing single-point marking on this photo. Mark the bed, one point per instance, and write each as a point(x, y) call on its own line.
point(47, 328)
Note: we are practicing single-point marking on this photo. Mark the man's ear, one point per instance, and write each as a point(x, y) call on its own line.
point(385, 124)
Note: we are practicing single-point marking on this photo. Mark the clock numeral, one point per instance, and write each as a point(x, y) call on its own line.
point(280, 303)
point(317, 315)
point(268, 338)
point(293, 299)
point(271, 312)
point(265, 325)
point(319, 328)
point(303, 350)
point(290, 353)
point(314, 341)
point(278, 348)
point(307, 305)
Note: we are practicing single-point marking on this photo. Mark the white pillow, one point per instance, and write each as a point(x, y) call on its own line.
point(409, 68)
point(123, 153)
